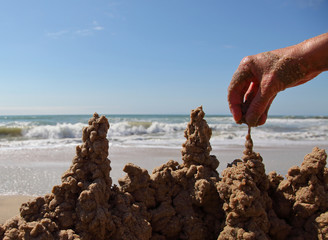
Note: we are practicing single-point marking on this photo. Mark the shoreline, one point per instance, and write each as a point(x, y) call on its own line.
point(275, 158)
point(36, 171)
point(159, 204)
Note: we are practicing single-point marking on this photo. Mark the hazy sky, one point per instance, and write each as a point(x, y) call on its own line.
point(137, 56)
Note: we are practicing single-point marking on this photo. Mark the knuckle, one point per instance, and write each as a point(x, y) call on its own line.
point(248, 60)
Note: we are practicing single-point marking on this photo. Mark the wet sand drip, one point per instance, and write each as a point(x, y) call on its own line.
point(178, 201)
point(248, 152)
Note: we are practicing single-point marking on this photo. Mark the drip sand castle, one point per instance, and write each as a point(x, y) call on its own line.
point(177, 201)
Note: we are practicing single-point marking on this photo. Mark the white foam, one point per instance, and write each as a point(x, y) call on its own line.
point(60, 130)
point(167, 131)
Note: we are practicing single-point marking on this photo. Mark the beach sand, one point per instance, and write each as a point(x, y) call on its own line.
point(9, 206)
point(243, 201)
point(275, 158)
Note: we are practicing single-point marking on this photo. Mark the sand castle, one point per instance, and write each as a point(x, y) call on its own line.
point(177, 201)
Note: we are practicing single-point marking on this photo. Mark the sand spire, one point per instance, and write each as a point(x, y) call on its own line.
point(177, 201)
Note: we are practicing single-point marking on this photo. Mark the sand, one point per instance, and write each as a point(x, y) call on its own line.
point(275, 158)
point(179, 200)
point(9, 206)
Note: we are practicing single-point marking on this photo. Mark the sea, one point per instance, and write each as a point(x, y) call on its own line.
point(33, 133)
point(160, 131)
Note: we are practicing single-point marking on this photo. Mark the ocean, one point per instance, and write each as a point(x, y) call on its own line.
point(31, 161)
point(164, 131)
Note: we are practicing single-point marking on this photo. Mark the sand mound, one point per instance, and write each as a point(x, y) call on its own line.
point(177, 201)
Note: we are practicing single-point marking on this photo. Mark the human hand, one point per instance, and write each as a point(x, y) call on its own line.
point(260, 77)
point(255, 84)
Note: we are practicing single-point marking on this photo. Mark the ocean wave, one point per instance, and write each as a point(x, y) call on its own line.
point(59, 131)
point(6, 132)
point(141, 128)
point(160, 131)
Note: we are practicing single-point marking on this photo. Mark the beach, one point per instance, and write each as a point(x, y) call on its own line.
point(44, 167)
point(142, 185)
point(148, 176)
point(9, 206)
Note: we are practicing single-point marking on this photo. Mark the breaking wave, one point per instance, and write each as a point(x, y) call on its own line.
point(164, 131)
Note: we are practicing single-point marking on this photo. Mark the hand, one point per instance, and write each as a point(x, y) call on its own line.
point(260, 77)
point(256, 83)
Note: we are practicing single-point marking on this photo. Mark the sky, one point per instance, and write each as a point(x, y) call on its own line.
point(147, 56)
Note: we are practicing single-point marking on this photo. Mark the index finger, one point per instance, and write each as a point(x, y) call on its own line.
point(237, 89)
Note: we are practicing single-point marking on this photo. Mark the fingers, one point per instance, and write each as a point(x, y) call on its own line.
point(252, 89)
point(249, 96)
point(257, 112)
point(238, 87)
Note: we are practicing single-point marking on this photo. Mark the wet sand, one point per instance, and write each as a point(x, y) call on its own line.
point(248, 201)
point(9, 206)
point(276, 158)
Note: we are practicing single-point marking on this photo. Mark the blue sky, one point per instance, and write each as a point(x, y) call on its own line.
point(147, 57)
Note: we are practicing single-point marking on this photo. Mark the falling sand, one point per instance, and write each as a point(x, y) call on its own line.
point(178, 201)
